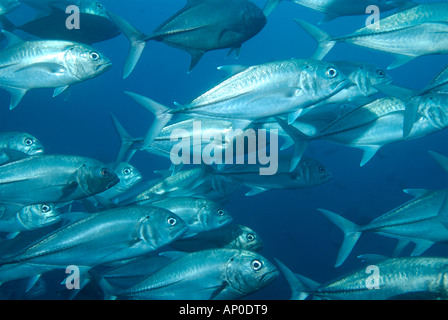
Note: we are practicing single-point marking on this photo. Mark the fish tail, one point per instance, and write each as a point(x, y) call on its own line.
point(162, 117)
point(351, 234)
point(301, 142)
point(324, 40)
point(128, 143)
point(137, 41)
point(300, 285)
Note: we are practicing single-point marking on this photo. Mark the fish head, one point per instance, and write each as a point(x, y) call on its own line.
point(242, 237)
point(95, 178)
point(248, 271)
point(311, 171)
point(93, 7)
point(321, 80)
point(25, 143)
point(366, 77)
point(39, 215)
point(129, 176)
point(84, 62)
point(160, 227)
point(212, 215)
point(433, 108)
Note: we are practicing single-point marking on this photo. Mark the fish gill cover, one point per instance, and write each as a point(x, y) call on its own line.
point(96, 119)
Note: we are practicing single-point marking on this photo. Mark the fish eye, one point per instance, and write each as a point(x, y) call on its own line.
point(221, 212)
point(322, 170)
point(94, 56)
point(99, 5)
point(256, 265)
point(332, 72)
point(381, 73)
point(250, 237)
point(105, 172)
point(127, 171)
point(45, 208)
point(29, 141)
point(171, 221)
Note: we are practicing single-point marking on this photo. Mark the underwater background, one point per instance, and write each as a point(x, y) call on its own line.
point(287, 220)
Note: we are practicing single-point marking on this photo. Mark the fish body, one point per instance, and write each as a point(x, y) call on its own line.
point(396, 278)
point(27, 65)
point(53, 178)
point(206, 275)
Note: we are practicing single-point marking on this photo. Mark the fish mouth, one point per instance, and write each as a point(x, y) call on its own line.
point(257, 247)
point(177, 234)
point(339, 86)
point(36, 152)
point(112, 183)
point(104, 66)
point(269, 277)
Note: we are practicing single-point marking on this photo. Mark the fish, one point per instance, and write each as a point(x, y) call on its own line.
point(231, 236)
point(307, 173)
point(181, 184)
point(19, 143)
point(379, 123)
point(100, 238)
point(129, 177)
point(422, 220)
point(88, 6)
point(201, 26)
point(215, 274)
point(200, 215)
point(27, 65)
point(15, 219)
point(94, 25)
point(418, 31)
point(7, 6)
point(170, 135)
point(53, 179)
point(334, 9)
point(249, 94)
point(396, 278)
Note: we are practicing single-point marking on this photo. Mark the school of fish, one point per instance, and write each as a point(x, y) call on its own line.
point(173, 238)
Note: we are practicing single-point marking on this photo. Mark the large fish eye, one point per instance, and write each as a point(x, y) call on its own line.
point(171, 221)
point(105, 172)
point(94, 56)
point(250, 237)
point(322, 170)
point(29, 141)
point(332, 72)
point(45, 208)
point(256, 265)
point(99, 5)
point(221, 212)
point(381, 73)
point(127, 171)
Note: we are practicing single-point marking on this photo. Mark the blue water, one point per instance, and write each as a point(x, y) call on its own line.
point(287, 221)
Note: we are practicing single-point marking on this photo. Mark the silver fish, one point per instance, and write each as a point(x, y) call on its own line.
point(46, 64)
point(407, 35)
point(15, 219)
point(53, 178)
point(22, 142)
point(231, 236)
point(110, 235)
point(307, 173)
point(397, 278)
point(379, 123)
point(250, 94)
point(215, 274)
point(200, 215)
